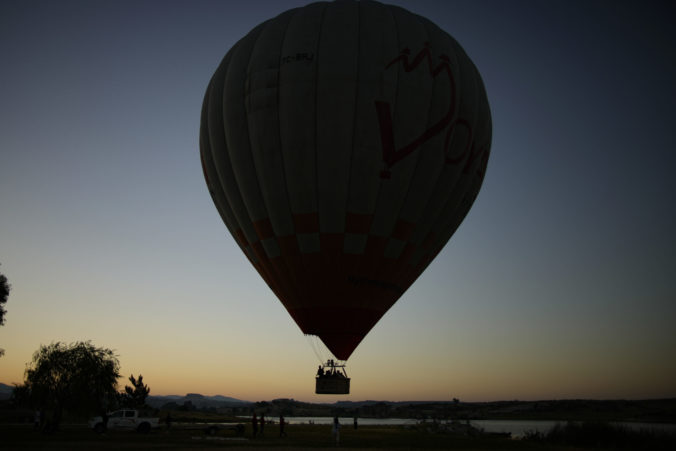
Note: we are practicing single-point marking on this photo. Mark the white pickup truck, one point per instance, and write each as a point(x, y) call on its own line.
point(125, 419)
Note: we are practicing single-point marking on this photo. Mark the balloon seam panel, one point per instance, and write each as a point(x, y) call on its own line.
point(420, 149)
point(256, 170)
point(390, 10)
point(316, 100)
point(425, 212)
point(354, 120)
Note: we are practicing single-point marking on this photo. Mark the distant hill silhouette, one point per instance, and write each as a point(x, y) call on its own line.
point(649, 410)
point(197, 400)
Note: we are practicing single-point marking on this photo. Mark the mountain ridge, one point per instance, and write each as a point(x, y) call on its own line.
point(197, 400)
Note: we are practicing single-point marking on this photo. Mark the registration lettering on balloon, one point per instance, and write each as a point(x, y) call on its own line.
point(392, 155)
point(298, 57)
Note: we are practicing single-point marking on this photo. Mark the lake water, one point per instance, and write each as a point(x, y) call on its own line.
point(348, 421)
point(516, 427)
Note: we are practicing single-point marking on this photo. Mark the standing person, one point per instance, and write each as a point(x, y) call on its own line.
point(168, 420)
point(254, 424)
point(336, 430)
point(37, 419)
point(262, 423)
point(281, 426)
point(355, 422)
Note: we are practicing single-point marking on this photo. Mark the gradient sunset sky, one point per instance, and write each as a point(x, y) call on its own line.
point(560, 283)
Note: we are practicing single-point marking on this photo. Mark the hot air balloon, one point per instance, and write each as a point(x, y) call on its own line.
point(343, 144)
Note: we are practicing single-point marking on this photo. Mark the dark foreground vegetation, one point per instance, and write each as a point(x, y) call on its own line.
point(570, 436)
point(600, 435)
point(298, 437)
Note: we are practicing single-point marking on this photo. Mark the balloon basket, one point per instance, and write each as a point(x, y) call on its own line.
point(332, 379)
point(332, 385)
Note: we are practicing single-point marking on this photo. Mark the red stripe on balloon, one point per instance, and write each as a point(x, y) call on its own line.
point(241, 238)
point(341, 329)
point(287, 272)
point(263, 229)
point(358, 223)
point(306, 222)
point(373, 254)
point(288, 245)
point(403, 230)
point(265, 269)
point(429, 240)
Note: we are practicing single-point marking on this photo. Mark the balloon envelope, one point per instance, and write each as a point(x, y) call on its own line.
point(343, 144)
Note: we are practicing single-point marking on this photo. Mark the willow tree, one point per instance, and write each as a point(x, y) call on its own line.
point(78, 377)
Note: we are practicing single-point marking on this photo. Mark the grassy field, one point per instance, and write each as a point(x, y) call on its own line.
point(24, 437)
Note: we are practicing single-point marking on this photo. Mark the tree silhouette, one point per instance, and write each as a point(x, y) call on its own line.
point(135, 396)
point(78, 378)
point(4, 294)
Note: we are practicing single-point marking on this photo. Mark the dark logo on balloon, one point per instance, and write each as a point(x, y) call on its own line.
point(447, 123)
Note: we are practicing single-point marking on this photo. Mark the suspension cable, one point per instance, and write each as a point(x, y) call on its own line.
point(316, 348)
